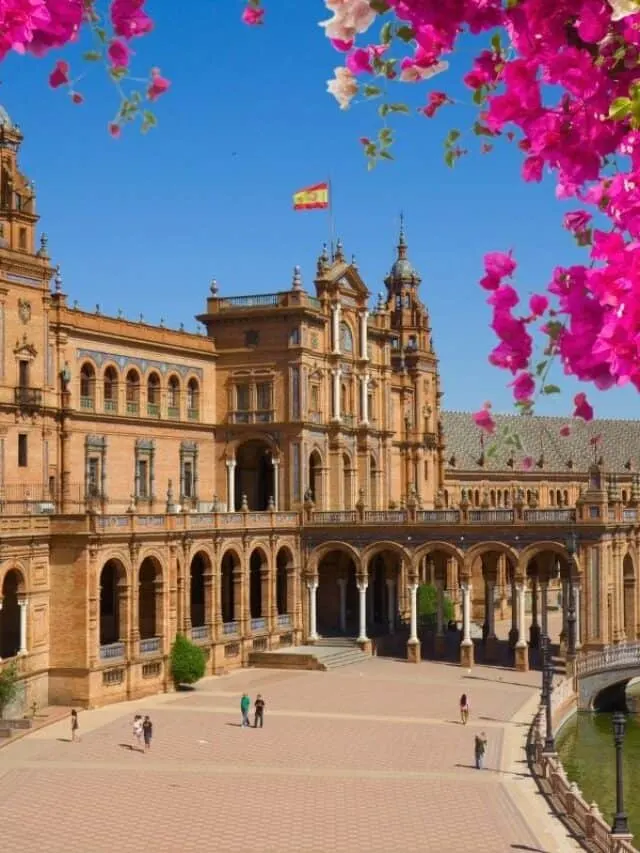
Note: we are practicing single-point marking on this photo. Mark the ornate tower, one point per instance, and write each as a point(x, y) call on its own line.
point(416, 383)
point(18, 217)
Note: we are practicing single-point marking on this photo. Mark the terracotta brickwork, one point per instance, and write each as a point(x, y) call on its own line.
point(289, 472)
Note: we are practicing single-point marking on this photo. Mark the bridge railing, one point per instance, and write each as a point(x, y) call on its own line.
point(625, 654)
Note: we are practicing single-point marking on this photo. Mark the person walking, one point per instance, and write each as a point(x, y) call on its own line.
point(147, 732)
point(138, 733)
point(245, 704)
point(258, 712)
point(464, 709)
point(480, 749)
point(75, 726)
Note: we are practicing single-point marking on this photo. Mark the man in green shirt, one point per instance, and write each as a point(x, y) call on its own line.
point(245, 704)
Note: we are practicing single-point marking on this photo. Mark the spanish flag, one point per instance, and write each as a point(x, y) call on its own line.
point(312, 198)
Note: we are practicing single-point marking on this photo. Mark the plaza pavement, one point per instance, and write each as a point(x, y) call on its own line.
point(368, 759)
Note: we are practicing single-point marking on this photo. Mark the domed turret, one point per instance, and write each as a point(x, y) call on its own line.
point(402, 271)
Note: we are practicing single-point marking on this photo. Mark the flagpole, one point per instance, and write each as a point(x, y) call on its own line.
point(332, 225)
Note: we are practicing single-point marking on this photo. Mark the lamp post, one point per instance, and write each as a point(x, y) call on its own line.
point(549, 741)
point(544, 643)
point(572, 547)
point(620, 825)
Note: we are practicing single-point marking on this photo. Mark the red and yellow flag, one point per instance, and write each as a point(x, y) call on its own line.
point(312, 198)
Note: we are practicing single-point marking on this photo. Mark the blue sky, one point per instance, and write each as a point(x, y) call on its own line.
point(143, 223)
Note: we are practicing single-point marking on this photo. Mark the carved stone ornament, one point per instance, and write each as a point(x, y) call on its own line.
point(24, 310)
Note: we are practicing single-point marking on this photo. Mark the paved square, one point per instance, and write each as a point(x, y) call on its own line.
point(370, 758)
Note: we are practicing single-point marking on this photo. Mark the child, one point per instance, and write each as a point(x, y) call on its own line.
point(75, 727)
point(137, 732)
point(147, 733)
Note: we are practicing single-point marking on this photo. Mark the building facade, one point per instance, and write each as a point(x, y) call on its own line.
point(286, 474)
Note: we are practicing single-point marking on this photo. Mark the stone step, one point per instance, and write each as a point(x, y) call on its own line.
point(340, 642)
point(316, 657)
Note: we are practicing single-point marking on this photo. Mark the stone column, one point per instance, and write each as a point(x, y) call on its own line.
point(335, 319)
point(534, 629)
point(364, 317)
point(362, 613)
point(276, 484)
point(565, 615)
point(544, 609)
point(337, 374)
point(576, 598)
point(466, 647)
point(312, 586)
point(492, 640)
point(231, 485)
point(364, 398)
point(521, 650)
point(513, 633)
point(413, 646)
point(440, 641)
point(160, 631)
point(342, 585)
point(23, 604)
point(391, 605)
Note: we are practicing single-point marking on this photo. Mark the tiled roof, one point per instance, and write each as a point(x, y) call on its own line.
point(619, 444)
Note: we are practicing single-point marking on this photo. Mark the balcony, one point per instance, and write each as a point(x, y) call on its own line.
point(150, 646)
point(112, 651)
point(133, 407)
point(259, 624)
point(284, 620)
point(87, 404)
point(229, 628)
point(28, 397)
point(200, 633)
point(153, 410)
point(111, 406)
point(265, 416)
point(173, 413)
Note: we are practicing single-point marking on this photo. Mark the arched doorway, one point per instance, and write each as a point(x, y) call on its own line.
point(284, 563)
point(230, 564)
point(382, 592)
point(10, 617)
point(112, 621)
point(630, 612)
point(258, 567)
point(337, 598)
point(148, 576)
point(315, 479)
point(254, 475)
point(198, 608)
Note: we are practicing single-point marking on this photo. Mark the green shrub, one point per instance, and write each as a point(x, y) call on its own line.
point(187, 661)
point(428, 606)
point(8, 686)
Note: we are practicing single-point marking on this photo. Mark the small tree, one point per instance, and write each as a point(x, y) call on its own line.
point(187, 661)
point(8, 686)
point(428, 606)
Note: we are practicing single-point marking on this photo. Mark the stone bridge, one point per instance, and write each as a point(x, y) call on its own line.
point(603, 676)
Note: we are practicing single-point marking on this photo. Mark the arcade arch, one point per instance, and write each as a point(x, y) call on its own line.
point(254, 475)
point(12, 614)
point(113, 602)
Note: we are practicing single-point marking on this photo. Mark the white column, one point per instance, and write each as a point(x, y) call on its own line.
point(22, 604)
point(335, 317)
point(576, 600)
point(544, 610)
point(520, 608)
point(391, 605)
point(362, 610)
point(491, 613)
point(342, 584)
point(413, 600)
point(439, 607)
point(337, 375)
point(465, 586)
point(312, 586)
point(364, 398)
point(364, 317)
point(231, 485)
point(276, 484)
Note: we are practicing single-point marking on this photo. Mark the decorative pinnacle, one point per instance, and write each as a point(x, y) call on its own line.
point(297, 278)
point(354, 262)
point(339, 250)
point(402, 243)
point(44, 240)
point(213, 287)
point(58, 280)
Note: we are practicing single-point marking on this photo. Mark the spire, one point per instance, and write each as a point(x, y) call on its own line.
point(297, 279)
point(402, 243)
point(339, 256)
point(323, 259)
point(402, 271)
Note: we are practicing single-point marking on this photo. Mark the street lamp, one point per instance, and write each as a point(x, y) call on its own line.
point(544, 643)
point(620, 825)
point(572, 547)
point(549, 741)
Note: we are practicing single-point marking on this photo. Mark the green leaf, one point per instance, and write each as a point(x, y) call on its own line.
point(92, 56)
point(379, 6)
point(405, 33)
point(372, 91)
point(383, 110)
point(371, 164)
point(398, 108)
point(554, 328)
point(100, 34)
point(516, 438)
point(385, 135)
point(386, 33)
point(492, 450)
point(449, 158)
point(541, 367)
point(496, 44)
point(117, 73)
point(478, 97)
point(385, 155)
point(550, 389)
point(620, 108)
point(452, 136)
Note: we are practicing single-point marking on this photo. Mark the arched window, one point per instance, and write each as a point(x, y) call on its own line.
point(173, 397)
point(110, 389)
point(153, 395)
point(193, 400)
point(87, 387)
point(133, 392)
point(346, 338)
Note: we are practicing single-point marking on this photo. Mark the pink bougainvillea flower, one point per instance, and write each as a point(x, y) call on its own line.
point(115, 130)
point(129, 18)
point(497, 265)
point(253, 16)
point(527, 463)
point(484, 420)
point(118, 53)
point(582, 409)
point(436, 100)
point(343, 87)
point(77, 98)
point(523, 387)
point(565, 430)
point(158, 85)
point(60, 74)
point(538, 304)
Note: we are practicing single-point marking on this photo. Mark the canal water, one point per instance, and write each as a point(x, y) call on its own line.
point(585, 746)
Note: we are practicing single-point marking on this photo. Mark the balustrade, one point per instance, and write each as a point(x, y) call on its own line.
point(200, 632)
point(230, 628)
point(150, 645)
point(284, 620)
point(111, 651)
